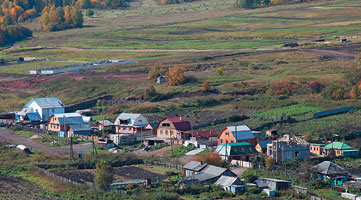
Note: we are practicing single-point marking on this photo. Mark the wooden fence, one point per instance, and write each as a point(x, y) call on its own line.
point(166, 165)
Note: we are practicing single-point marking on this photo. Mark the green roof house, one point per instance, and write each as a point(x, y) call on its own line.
point(339, 149)
point(242, 151)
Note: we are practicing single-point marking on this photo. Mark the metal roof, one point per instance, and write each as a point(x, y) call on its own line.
point(261, 184)
point(329, 168)
point(132, 119)
point(192, 165)
point(235, 149)
point(263, 143)
point(70, 118)
point(275, 180)
point(33, 117)
point(106, 122)
point(47, 102)
point(338, 145)
point(226, 181)
point(209, 172)
point(80, 127)
point(241, 132)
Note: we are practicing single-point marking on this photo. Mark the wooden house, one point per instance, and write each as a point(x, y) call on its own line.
point(174, 127)
point(129, 123)
point(234, 134)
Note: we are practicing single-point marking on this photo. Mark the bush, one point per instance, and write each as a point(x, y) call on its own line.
point(250, 175)
point(236, 118)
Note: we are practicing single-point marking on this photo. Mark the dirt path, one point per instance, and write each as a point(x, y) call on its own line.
point(10, 136)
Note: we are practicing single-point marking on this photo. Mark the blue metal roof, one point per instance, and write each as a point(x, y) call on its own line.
point(128, 182)
point(241, 132)
point(46, 102)
point(33, 117)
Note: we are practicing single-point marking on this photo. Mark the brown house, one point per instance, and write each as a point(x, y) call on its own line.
point(174, 127)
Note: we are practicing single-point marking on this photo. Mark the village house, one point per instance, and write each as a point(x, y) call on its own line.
point(72, 122)
point(288, 148)
point(240, 151)
point(174, 127)
point(203, 139)
point(331, 173)
point(129, 123)
point(208, 174)
point(276, 184)
point(193, 167)
point(316, 149)
point(151, 128)
point(230, 183)
point(45, 107)
point(33, 118)
point(104, 124)
point(233, 134)
point(261, 146)
point(339, 149)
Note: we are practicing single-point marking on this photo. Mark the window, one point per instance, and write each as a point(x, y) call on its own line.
point(140, 120)
point(297, 153)
point(166, 132)
point(227, 133)
point(52, 110)
point(221, 141)
point(124, 128)
point(166, 124)
point(171, 133)
point(161, 132)
point(130, 128)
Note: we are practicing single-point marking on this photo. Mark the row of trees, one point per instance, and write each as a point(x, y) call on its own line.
point(175, 74)
point(13, 33)
point(59, 18)
point(101, 3)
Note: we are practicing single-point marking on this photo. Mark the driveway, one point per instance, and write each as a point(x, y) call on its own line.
point(10, 136)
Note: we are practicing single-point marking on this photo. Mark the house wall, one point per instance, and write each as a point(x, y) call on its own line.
point(167, 131)
point(316, 149)
point(226, 136)
point(126, 129)
point(47, 112)
point(54, 124)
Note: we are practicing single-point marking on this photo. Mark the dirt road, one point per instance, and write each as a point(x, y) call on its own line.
point(10, 136)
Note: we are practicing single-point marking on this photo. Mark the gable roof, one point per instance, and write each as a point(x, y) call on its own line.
point(263, 143)
point(132, 119)
point(195, 166)
point(226, 181)
point(205, 134)
point(105, 123)
point(180, 123)
point(235, 149)
point(46, 102)
point(329, 168)
point(32, 117)
point(70, 118)
point(209, 172)
point(338, 145)
point(80, 127)
point(241, 132)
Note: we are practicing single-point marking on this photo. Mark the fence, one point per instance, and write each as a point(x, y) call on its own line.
point(332, 112)
point(242, 163)
point(166, 165)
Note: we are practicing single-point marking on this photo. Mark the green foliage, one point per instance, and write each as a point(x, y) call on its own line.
point(103, 175)
point(89, 13)
point(292, 110)
point(12, 33)
point(219, 71)
point(250, 175)
point(179, 151)
point(236, 118)
point(159, 146)
point(156, 196)
point(247, 4)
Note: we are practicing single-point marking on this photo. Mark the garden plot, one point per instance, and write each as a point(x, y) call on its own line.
point(121, 174)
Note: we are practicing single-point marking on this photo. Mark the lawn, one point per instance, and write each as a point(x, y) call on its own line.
point(179, 151)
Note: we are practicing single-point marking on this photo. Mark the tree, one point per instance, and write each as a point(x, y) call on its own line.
point(247, 4)
point(104, 175)
point(338, 94)
point(85, 4)
point(268, 162)
point(355, 92)
point(176, 75)
point(219, 71)
point(316, 86)
point(210, 158)
point(357, 61)
point(206, 86)
point(308, 137)
point(250, 175)
point(156, 71)
point(76, 17)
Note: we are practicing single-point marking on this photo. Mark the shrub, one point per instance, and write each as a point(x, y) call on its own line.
point(210, 158)
point(236, 118)
point(316, 86)
point(103, 174)
point(176, 75)
point(206, 86)
point(219, 71)
point(250, 175)
point(131, 186)
point(280, 88)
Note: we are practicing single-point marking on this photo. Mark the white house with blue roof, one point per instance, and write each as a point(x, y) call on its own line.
point(44, 106)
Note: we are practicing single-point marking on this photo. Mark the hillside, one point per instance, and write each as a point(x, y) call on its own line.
point(201, 36)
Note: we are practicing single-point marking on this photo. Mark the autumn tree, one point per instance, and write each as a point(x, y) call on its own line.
point(206, 87)
point(176, 75)
point(280, 88)
point(338, 94)
point(156, 71)
point(268, 162)
point(316, 86)
point(308, 137)
point(219, 71)
point(210, 158)
point(355, 92)
point(104, 175)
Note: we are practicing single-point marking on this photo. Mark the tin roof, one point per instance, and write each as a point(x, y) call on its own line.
point(70, 118)
point(235, 149)
point(47, 102)
point(338, 145)
point(329, 168)
point(195, 166)
point(263, 143)
point(226, 181)
point(241, 132)
point(133, 119)
point(80, 127)
point(32, 117)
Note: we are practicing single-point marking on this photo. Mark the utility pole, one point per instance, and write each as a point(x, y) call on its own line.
point(71, 139)
point(95, 153)
point(171, 145)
